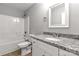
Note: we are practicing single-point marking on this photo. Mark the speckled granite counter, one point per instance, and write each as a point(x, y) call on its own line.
point(70, 45)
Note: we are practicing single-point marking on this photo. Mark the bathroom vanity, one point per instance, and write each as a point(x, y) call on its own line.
point(42, 49)
point(53, 46)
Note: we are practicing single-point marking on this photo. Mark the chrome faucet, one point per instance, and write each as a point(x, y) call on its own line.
point(56, 35)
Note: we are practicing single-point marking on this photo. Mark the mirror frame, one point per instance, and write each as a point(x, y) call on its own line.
point(66, 16)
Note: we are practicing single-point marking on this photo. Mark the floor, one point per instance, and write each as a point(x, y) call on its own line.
point(17, 53)
point(30, 54)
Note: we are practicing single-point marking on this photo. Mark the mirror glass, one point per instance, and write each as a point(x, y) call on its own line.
point(58, 15)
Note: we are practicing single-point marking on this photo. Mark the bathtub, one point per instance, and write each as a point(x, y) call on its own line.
point(9, 47)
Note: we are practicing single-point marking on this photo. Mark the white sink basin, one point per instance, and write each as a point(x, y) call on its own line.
point(52, 39)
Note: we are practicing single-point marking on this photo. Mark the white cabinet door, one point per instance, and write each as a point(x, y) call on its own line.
point(51, 50)
point(40, 52)
point(36, 51)
point(46, 54)
point(43, 49)
point(65, 53)
point(34, 47)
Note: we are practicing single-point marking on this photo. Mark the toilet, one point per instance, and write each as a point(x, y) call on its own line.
point(25, 47)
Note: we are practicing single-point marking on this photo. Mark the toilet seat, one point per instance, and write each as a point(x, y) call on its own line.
point(24, 44)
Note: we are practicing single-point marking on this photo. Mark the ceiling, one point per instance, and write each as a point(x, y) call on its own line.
point(21, 6)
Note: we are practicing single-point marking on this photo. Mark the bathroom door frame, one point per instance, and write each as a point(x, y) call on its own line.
point(28, 25)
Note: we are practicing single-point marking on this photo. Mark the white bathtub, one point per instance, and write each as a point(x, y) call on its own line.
point(9, 47)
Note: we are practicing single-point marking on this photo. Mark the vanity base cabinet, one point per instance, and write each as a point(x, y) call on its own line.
point(40, 48)
point(48, 49)
point(36, 51)
point(65, 53)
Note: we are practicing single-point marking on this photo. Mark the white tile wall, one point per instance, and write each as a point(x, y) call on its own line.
point(11, 33)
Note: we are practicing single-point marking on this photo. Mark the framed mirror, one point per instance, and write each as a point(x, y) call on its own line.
point(59, 15)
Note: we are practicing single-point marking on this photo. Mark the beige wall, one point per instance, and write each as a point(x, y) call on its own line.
point(37, 24)
point(10, 11)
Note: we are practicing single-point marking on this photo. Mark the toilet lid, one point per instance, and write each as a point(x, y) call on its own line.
point(24, 44)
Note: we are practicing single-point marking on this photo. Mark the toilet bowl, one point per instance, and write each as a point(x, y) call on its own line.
point(25, 48)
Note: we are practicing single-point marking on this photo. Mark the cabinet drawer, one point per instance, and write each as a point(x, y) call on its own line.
point(48, 48)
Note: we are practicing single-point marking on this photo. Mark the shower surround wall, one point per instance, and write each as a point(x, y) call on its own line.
point(11, 32)
point(38, 25)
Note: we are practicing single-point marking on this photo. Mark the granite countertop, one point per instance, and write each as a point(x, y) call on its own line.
point(70, 45)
